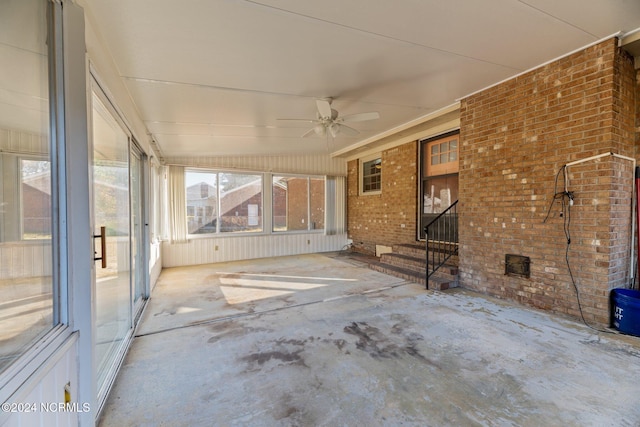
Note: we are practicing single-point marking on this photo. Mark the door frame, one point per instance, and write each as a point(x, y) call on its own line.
point(422, 166)
point(102, 390)
point(137, 308)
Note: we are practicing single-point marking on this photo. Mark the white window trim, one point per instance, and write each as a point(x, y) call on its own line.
point(361, 163)
point(29, 364)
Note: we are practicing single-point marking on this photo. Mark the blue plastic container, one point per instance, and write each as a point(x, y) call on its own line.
point(626, 311)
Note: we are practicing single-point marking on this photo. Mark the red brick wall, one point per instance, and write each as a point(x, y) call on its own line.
point(316, 204)
point(387, 218)
point(279, 206)
point(291, 206)
point(297, 204)
point(36, 211)
point(515, 137)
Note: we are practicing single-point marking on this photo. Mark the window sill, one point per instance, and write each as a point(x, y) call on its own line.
point(23, 370)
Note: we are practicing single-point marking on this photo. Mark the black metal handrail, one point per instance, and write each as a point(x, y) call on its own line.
point(441, 235)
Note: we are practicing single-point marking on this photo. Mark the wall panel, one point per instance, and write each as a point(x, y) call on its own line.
point(45, 389)
point(22, 142)
point(24, 259)
point(155, 263)
point(231, 248)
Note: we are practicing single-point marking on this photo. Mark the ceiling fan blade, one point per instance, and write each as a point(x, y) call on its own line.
point(349, 131)
point(334, 129)
point(298, 120)
point(309, 132)
point(324, 108)
point(361, 117)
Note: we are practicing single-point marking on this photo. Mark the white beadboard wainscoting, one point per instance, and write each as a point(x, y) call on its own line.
point(236, 248)
point(25, 259)
point(155, 263)
point(318, 164)
point(22, 142)
point(41, 394)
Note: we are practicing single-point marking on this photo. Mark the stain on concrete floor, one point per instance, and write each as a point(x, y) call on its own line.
point(402, 356)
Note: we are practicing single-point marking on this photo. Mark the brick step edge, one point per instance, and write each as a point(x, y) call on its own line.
point(418, 251)
point(403, 273)
point(415, 264)
point(435, 282)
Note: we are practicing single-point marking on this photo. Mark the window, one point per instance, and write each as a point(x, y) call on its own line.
point(371, 173)
point(25, 197)
point(202, 191)
point(35, 199)
point(441, 156)
point(298, 203)
point(28, 246)
point(237, 193)
point(223, 202)
point(439, 192)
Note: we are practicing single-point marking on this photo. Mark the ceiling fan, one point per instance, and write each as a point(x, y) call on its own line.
point(328, 121)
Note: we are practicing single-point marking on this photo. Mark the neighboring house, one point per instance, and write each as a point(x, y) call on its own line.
point(34, 206)
point(516, 197)
point(202, 208)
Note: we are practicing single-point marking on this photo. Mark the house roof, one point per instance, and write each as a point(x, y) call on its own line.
point(230, 199)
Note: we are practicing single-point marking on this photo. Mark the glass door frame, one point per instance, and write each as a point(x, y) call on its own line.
point(135, 308)
point(142, 250)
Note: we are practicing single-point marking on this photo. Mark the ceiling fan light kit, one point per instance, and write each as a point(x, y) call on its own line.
point(328, 120)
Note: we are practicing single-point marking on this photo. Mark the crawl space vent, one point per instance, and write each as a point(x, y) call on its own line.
point(517, 265)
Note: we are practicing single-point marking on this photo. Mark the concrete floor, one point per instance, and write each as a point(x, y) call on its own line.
point(321, 340)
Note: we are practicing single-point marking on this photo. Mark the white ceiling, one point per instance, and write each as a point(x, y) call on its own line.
point(211, 77)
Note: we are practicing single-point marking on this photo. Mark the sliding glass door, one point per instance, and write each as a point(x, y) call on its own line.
point(118, 218)
point(112, 239)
